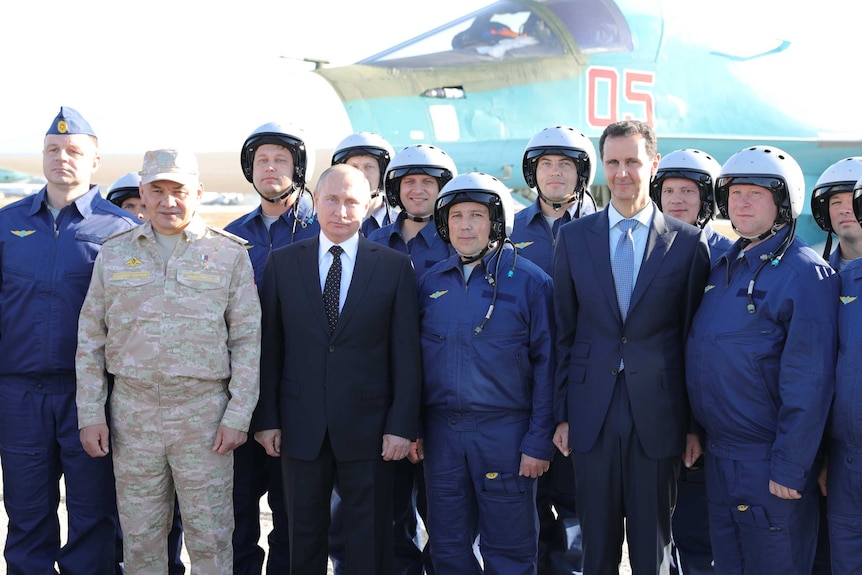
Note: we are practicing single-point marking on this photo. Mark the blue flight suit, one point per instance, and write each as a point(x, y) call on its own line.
point(487, 398)
point(761, 384)
point(381, 217)
point(844, 479)
point(718, 243)
point(535, 240)
point(255, 473)
point(45, 269)
point(560, 539)
point(284, 231)
point(690, 521)
point(425, 250)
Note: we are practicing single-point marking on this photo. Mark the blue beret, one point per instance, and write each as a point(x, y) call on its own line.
point(69, 121)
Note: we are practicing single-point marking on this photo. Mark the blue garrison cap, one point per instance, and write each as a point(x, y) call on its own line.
point(69, 121)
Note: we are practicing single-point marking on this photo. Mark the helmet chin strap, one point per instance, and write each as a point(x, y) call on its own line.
point(469, 259)
point(770, 232)
point(420, 219)
point(280, 198)
point(558, 205)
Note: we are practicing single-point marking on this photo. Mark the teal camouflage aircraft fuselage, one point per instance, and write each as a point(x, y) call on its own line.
point(704, 76)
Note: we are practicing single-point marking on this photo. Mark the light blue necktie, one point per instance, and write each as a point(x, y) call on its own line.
point(624, 265)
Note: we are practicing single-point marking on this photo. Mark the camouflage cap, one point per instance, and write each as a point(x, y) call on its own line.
point(177, 166)
point(69, 121)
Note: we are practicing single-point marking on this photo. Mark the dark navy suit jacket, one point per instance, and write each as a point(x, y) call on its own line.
point(591, 335)
point(359, 383)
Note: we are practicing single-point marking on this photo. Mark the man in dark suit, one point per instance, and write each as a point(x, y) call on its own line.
point(627, 281)
point(340, 377)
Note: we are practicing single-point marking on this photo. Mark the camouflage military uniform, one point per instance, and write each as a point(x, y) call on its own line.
point(184, 347)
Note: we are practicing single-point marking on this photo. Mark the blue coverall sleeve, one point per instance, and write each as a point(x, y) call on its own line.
point(807, 376)
point(538, 440)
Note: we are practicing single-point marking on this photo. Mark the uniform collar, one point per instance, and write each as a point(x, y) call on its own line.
point(753, 256)
point(534, 210)
point(85, 203)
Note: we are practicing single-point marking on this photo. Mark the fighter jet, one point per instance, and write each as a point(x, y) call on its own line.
point(715, 76)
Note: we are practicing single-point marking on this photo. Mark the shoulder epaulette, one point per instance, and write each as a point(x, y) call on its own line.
point(228, 235)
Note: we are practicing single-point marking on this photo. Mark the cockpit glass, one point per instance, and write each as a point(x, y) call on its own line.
point(507, 30)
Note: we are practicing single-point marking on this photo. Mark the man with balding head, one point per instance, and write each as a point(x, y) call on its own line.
point(340, 377)
point(48, 242)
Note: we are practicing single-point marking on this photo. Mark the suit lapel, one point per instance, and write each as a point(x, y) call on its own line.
point(598, 249)
point(363, 272)
point(310, 274)
point(658, 243)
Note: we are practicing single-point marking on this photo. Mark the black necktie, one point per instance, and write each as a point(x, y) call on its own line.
point(332, 287)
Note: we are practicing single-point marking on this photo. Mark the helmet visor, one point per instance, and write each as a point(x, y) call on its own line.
point(694, 176)
point(478, 196)
point(575, 154)
point(770, 183)
point(836, 188)
point(433, 171)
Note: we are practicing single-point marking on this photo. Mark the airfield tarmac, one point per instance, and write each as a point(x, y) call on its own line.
point(265, 528)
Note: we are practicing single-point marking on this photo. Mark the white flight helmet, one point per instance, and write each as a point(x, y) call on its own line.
point(126, 186)
point(287, 136)
point(480, 188)
point(365, 144)
point(839, 177)
point(770, 168)
point(561, 141)
point(694, 165)
point(417, 159)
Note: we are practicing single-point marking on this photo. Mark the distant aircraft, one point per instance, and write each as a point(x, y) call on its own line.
point(14, 184)
point(482, 85)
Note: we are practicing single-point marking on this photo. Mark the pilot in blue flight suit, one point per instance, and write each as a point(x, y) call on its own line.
point(832, 208)
point(413, 179)
point(560, 163)
point(48, 243)
point(844, 480)
point(760, 366)
point(487, 353)
point(684, 187)
point(370, 153)
point(286, 211)
point(277, 161)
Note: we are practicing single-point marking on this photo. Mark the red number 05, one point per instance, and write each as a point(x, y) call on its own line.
point(603, 96)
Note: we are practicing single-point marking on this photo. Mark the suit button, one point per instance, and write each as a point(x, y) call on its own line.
point(331, 348)
point(453, 421)
point(615, 372)
point(625, 340)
